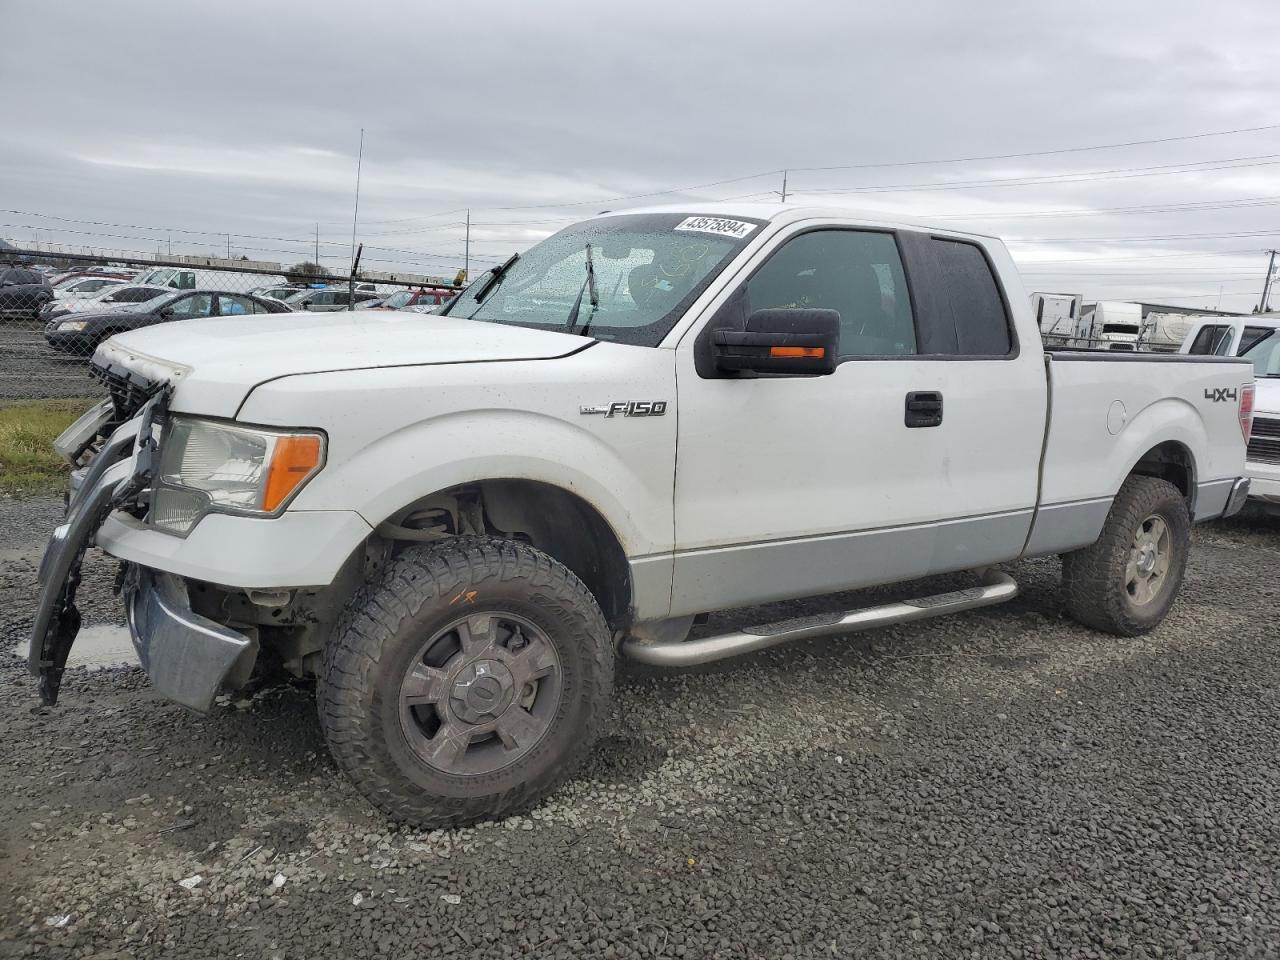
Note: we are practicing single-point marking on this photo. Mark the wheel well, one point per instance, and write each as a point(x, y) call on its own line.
point(1173, 462)
point(555, 521)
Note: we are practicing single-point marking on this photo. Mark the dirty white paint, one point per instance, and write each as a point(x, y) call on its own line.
point(98, 645)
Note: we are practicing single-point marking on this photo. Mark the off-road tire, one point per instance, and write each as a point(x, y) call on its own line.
point(376, 642)
point(1094, 578)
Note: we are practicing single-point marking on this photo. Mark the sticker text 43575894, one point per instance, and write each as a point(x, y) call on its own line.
point(717, 225)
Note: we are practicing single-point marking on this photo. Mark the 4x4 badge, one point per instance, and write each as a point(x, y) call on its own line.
point(627, 408)
point(1220, 394)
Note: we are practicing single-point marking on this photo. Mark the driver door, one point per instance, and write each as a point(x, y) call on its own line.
point(802, 485)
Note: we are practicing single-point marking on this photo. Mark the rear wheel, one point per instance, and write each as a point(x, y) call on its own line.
point(466, 681)
point(1126, 582)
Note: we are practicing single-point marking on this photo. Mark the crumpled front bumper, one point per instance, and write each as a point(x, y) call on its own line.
point(115, 476)
point(187, 656)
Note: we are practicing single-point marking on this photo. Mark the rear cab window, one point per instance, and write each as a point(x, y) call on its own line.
point(961, 309)
point(1211, 339)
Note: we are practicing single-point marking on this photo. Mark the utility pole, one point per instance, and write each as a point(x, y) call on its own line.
point(466, 250)
point(317, 259)
point(1266, 286)
point(228, 246)
point(784, 186)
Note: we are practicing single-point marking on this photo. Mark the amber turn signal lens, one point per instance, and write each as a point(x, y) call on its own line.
point(814, 352)
point(293, 460)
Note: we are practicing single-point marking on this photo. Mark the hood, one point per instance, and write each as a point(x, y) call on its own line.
point(217, 361)
point(78, 310)
point(1266, 396)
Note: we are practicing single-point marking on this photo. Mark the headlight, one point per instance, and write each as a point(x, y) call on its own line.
point(209, 467)
point(71, 325)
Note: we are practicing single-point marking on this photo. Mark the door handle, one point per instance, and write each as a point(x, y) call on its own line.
point(924, 408)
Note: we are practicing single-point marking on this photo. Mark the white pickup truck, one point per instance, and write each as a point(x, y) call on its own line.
point(457, 523)
point(1254, 338)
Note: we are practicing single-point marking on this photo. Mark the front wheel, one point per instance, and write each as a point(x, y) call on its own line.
point(1126, 582)
point(465, 681)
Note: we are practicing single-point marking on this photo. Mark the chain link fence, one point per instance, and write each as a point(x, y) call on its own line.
point(56, 308)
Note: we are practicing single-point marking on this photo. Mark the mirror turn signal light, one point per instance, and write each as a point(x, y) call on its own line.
point(816, 353)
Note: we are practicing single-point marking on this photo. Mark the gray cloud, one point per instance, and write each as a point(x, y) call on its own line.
point(244, 118)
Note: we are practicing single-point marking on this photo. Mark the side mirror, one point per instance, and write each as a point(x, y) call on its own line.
point(799, 342)
point(166, 312)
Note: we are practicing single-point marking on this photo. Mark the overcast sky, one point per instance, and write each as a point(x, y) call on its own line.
point(136, 121)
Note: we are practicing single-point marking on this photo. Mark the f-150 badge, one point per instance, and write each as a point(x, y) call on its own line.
point(627, 408)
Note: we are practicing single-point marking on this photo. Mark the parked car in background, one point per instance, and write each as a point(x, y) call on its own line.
point(279, 292)
point(108, 298)
point(1255, 338)
point(80, 334)
point(86, 286)
point(23, 292)
point(430, 297)
point(194, 278)
point(68, 278)
point(1228, 336)
point(328, 299)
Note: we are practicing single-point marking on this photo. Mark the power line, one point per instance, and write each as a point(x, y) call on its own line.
point(1149, 256)
point(1122, 173)
point(1193, 206)
point(1152, 239)
point(1043, 153)
point(856, 166)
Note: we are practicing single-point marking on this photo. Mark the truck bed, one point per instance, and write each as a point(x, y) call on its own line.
point(1108, 410)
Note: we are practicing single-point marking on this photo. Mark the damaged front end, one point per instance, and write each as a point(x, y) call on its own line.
point(116, 477)
point(192, 637)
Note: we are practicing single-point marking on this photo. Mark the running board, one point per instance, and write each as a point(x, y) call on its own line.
point(996, 587)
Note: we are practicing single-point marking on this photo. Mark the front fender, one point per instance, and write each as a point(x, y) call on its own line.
point(401, 433)
point(432, 455)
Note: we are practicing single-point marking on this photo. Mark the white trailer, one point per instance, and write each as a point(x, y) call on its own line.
point(1114, 325)
point(1060, 319)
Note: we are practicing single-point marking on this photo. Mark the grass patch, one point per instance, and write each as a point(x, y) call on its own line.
point(28, 464)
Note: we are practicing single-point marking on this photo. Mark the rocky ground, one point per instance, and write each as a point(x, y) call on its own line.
point(32, 370)
point(999, 784)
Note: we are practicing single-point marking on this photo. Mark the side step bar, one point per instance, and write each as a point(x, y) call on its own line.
point(996, 587)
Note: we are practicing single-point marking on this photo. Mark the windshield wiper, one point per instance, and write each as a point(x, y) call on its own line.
point(495, 275)
point(588, 284)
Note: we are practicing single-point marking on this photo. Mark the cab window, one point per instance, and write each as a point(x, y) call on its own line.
point(856, 273)
point(1212, 339)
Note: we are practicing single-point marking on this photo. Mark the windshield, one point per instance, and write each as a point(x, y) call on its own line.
point(1265, 354)
point(158, 277)
point(398, 299)
point(648, 269)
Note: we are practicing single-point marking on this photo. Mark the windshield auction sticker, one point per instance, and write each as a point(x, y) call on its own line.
point(724, 228)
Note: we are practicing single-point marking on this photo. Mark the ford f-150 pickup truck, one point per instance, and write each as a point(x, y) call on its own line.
point(457, 523)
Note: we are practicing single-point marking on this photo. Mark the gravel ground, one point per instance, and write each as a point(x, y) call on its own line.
point(31, 370)
point(1003, 783)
